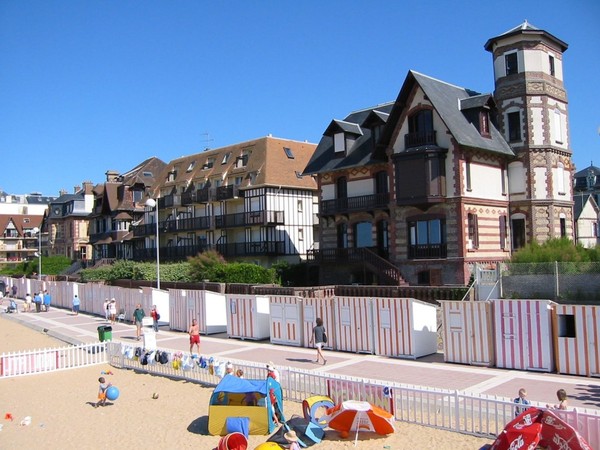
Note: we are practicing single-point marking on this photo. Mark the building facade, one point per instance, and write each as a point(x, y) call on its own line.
point(420, 189)
point(248, 201)
point(119, 203)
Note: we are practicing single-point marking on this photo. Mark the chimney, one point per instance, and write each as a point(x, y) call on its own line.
point(87, 187)
point(76, 189)
point(111, 175)
point(62, 192)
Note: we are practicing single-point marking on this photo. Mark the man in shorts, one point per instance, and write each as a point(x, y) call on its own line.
point(194, 333)
point(138, 317)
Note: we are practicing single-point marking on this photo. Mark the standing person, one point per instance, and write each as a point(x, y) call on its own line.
point(112, 311)
point(138, 316)
point(561, 394)
point(194, 333)
point(106, 305)
point(522, 401)
point(76, 303)
point(47, 301)
point(37, 299)
point(14, 291)
point(28, 302)
point(155, 316)
point(272, 371)
point(319, 337)
point(102, 392)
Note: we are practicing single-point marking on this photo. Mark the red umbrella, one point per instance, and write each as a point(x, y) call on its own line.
point(358, 416)
point(557, 434)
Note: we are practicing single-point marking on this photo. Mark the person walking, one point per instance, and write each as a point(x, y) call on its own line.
point(28, 302)
point(76, 303)
point(194, 333)
point(155, 316)
point(37, 299)
point(106, 306)
point(319, 337)
point(138, 317)
point(112, 310)
point(47, 300)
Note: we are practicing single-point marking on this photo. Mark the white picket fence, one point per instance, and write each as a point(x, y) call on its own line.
point(463, 412)
point(475, 414)
point(30, 362)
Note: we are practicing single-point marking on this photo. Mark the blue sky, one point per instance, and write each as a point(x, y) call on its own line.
point(90, 86)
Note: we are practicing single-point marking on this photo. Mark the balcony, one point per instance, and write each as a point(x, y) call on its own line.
point(427, 251)
point(188, 198)
point(238, 249)
point(169, 201)
point(147, 229)
point(354, 204)
point(205, 195)
point(419, 138)
point(249, 218)
point(227, 192)
point(193, 223)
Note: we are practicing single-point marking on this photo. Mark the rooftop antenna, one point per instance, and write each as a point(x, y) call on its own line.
point(206, 140)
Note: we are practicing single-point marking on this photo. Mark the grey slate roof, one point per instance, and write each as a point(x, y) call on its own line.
point(324, 158)
point(525, 28)
point(446, 99)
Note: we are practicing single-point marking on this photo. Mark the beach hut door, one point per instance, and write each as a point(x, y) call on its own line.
point(594, 348)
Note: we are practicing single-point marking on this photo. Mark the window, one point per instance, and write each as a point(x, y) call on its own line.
point(341, 188)
point(518, 233)
point(300, 206)
point(172, 175)
point(342, 235)
point(191, 166)
point(502, 223)
point(512, 64)
point(382, 238)
point(560, 175)
point(225, 158)
point(427, 238)
point(339, 143)
point(420, 129)
point(551, 61)
point(558, 134)
point(514, 126)
point(300, 234)
point(288, 152)
point(381, 182)
point(563, 227)
point(503, 180)
point(566, 326)
point(363, 236)
point(484, 123)
point(473, 231)
point(468, 174)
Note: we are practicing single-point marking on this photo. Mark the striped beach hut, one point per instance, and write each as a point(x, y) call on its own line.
point(523, 331)
point(577, 339)
point(468, 332)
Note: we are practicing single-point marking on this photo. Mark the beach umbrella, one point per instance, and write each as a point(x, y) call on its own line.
point(557, 434)
point(353, 415)
point(523, 432)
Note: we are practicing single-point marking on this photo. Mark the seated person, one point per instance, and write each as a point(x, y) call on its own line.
point(12, 307)
point(249, 399)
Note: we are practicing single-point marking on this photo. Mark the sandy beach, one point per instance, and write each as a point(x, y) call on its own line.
point(62, 415)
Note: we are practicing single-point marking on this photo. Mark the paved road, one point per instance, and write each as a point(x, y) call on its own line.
point(430, 371)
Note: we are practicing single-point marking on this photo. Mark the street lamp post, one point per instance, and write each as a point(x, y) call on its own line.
point(38, 232)
point(151, 203)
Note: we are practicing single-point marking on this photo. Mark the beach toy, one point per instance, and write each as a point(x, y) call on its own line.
point(8, 416)
point(233, 441)
point(344, 434)
point(155, 396)
point(112, 393)
point(268, 446)
point(26, 421)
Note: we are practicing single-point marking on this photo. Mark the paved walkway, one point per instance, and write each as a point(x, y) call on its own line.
point(430, 371)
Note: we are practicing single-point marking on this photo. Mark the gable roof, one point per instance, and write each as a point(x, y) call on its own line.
point(362, 153)
point(447, 100)
point(580, 202)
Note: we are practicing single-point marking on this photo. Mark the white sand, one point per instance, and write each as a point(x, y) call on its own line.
point(59, 404)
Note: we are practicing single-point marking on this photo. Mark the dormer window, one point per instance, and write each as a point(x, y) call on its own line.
point(420, 129)
point(339, 143)
point(225, 158)
point(242, 160)
point(172, 175)
point(484, 123)
point(376, 133)
point(191, 166)
point(591, 179)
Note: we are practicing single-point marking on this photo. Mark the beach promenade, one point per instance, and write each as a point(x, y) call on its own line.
point(430, 371)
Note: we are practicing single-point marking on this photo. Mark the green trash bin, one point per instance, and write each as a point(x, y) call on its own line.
point(104, 333)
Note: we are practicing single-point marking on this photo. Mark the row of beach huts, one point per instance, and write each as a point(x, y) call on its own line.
point(535, 335)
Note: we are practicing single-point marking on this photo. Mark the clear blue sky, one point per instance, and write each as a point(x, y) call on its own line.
point(88, 86)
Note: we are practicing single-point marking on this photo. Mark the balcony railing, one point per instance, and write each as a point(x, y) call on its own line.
point(237, 249)
point(193, 223)
point(227, 192)
point(354, 204)
point(419, 138)
point(188, 198)
point(169, 201)
point(424, 251)
point(145, 230)
point(249, 218)
point(205, 195)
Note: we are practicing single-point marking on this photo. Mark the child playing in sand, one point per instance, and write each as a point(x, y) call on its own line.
point(292, 439)
point(102, 392)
